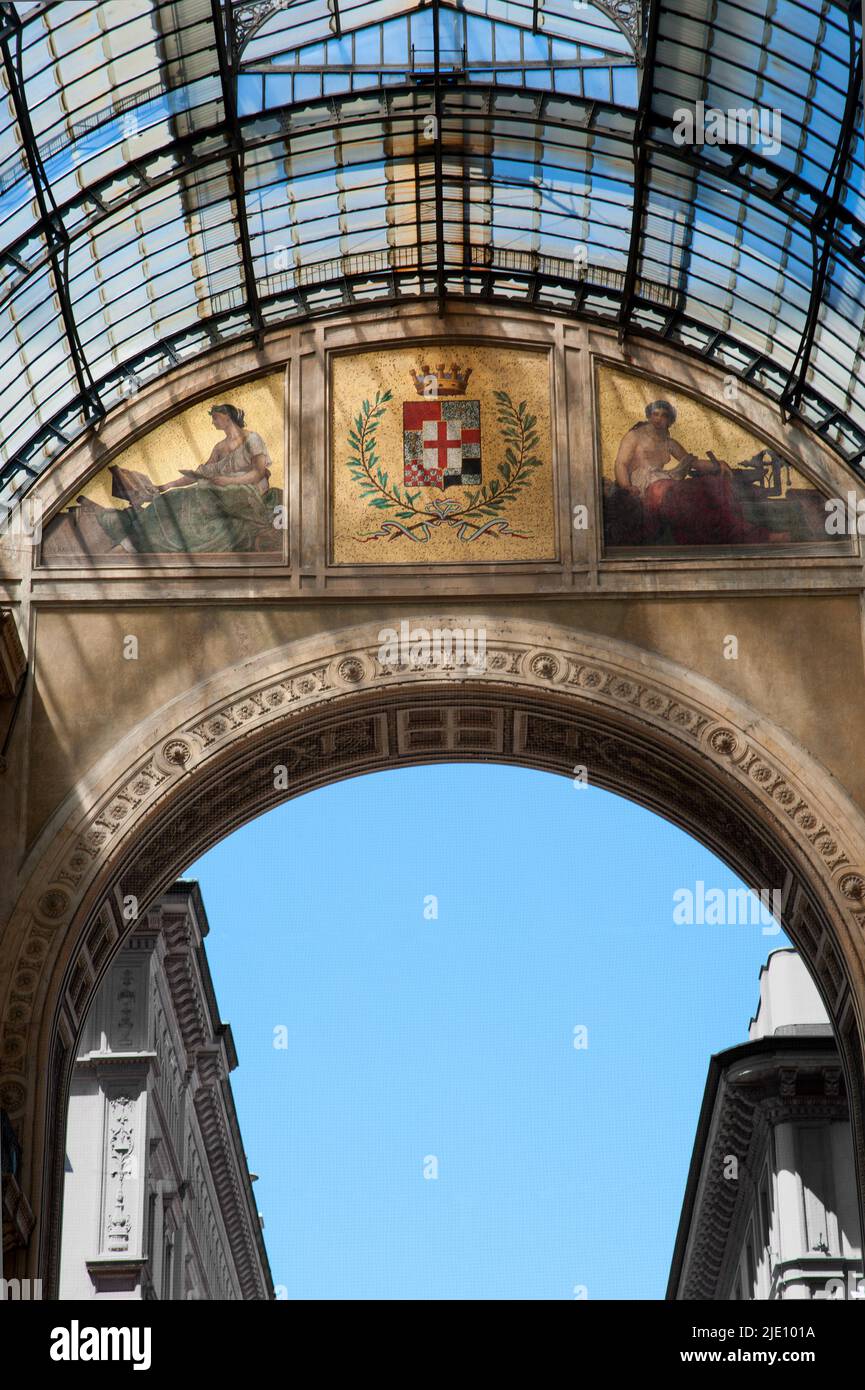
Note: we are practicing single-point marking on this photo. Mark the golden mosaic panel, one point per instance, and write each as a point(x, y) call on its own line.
point(441, 455)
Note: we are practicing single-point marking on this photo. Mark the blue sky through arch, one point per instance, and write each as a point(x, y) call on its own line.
point(410, 1037)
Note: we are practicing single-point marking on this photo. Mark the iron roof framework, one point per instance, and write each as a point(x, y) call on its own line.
point(195, 172)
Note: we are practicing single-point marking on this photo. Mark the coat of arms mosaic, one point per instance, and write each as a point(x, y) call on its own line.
point(437, 460)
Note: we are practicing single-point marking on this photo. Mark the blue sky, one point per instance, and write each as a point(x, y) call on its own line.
point(411, 1038)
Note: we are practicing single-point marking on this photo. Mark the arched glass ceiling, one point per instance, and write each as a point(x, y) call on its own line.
point(181, 173)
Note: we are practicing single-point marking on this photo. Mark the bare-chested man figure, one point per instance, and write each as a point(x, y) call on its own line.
point(648, 447)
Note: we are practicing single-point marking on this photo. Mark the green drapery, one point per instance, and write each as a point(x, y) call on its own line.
point(201, 517)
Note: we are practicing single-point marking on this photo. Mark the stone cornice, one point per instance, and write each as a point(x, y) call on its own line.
point(134, 1062)
point(750, 1089)
point(214, 1107)
point(194, 1008)
point(184, 984)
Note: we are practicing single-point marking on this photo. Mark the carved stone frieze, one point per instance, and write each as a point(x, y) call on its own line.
point(120, 1145)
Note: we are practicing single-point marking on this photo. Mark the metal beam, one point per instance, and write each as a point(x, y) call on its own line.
point(823, 227)
point(627, 15)
point(250, 16)
point(418, 210)
point(438, 164)
point(263, 66)
point(183, 150)
point(10, 20)
point(226, 49)
point(53, 228)
point(641, 157)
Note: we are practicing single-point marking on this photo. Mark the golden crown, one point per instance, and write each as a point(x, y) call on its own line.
point(441, 382)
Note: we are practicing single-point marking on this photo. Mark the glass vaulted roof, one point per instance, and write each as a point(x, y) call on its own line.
point(176, 174)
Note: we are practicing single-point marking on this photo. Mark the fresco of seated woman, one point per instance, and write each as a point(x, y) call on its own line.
point(226, 504)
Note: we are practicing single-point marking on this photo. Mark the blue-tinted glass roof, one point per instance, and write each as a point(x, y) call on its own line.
point(181, 173)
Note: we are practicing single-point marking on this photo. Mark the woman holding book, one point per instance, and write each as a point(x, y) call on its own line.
point(227, 504)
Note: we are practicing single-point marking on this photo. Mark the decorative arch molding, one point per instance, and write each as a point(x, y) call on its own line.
point(326, 708)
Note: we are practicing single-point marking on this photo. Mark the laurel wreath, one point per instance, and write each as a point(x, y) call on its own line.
point(516, 470)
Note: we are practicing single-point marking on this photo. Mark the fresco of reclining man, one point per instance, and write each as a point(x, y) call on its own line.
point(224, 504)
point(663, 494)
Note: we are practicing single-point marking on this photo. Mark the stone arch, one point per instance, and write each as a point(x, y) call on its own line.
point(327, 708)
